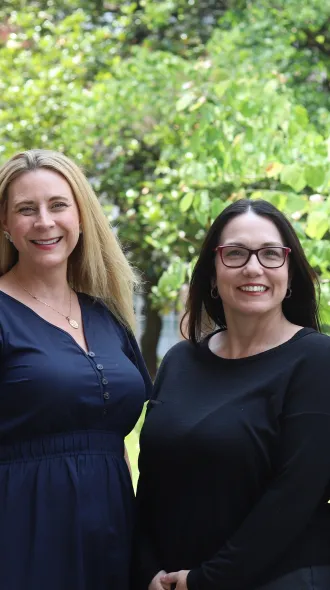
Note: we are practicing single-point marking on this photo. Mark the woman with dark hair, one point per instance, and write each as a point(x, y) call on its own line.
point(235, 462)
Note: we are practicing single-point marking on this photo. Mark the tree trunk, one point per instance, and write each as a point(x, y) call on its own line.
point(150, 337)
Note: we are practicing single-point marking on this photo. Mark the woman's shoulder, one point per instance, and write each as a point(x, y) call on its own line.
point(181, 352)
point(312, 350)
point(313, 342)
point(98, 306)
point(309, 390)
point(13, 315)
point(11, 310)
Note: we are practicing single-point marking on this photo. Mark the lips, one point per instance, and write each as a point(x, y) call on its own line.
point(49, 242)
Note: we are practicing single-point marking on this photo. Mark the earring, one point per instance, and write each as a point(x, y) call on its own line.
point(8, 236)
point(80, 229)
point(215, 292)
point(288, 293)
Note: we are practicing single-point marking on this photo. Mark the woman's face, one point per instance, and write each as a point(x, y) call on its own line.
point(251, 289)
point(42, 218)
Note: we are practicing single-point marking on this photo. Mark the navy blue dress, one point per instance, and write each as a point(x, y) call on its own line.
point(66, 499)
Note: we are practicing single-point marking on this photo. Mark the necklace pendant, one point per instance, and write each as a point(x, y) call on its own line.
point(73, 323)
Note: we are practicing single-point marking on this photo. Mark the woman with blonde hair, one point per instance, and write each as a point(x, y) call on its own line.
point(73, 382)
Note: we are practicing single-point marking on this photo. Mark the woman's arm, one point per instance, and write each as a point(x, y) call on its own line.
point(282, 512)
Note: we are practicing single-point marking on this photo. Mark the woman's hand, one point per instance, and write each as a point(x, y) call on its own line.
point(178, 578)
point(157, 584)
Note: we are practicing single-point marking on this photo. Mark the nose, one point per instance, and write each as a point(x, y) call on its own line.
point(253, 267)
point(44, 219)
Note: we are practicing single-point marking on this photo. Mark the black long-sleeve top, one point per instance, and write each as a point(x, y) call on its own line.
point(235, 465)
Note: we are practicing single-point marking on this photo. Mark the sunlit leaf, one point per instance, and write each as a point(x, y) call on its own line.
point(186, 202)
point(293, 176)
point(317, 225)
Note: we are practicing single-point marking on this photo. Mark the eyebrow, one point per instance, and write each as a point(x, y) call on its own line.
point(31, 201)
point(264, 245)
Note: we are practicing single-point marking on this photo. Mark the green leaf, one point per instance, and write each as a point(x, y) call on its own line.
point(185, 101)
point(221, 87)
point(301, 116)
point(295, 203)
point(186, 202)
point(204, 199)
point(277, 199)
point(202, 217)
point(197, 104)
point(152, 242)
point(293, 175)
point(274, 169)
point(315, 176)
point(317, 225)
point(217, 206)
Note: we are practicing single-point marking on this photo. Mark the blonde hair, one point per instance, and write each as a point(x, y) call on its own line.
point(97, 265)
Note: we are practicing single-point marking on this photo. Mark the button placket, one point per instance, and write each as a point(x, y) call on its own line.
point(104, 381)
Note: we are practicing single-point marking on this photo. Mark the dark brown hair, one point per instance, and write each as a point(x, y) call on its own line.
point(301, 308)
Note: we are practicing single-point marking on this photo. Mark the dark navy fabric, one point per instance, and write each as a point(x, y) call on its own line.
point(66, 499)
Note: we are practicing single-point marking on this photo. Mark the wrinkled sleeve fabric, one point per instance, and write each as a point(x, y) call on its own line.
point(132, 350)
point(301, 474)
point(137, 358)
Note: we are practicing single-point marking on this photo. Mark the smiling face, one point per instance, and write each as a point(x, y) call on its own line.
point(251, 289)
point(42, 218)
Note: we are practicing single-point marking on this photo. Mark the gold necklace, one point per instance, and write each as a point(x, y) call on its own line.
point(71, 321)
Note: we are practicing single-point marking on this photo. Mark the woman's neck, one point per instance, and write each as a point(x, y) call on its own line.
point(44, 283)
point(247, 336)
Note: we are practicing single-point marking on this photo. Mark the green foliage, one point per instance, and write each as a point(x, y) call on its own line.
point(175, 110)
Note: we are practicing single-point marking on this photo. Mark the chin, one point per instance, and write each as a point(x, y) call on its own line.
point(256, 309)
point(49, 262)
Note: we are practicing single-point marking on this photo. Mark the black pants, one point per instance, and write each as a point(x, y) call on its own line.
point(307, 578)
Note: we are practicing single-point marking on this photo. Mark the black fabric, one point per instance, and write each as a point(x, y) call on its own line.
point(235, 466)
point(306, 578)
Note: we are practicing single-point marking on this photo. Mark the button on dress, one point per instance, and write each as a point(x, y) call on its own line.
point(66, 499)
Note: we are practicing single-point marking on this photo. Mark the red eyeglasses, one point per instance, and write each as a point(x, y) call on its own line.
point(268, 257)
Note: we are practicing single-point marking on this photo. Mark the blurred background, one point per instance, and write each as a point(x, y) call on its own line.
point(175, 109)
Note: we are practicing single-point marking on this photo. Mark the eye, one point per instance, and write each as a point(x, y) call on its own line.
point(59, 205)
point(273, 252)
point(26, 210)
point(234, 252)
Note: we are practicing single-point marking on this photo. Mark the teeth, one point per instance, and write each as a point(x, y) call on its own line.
point(252, 288)
point(46, 242)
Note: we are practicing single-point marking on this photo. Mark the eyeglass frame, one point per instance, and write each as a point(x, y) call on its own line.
point(251, 252)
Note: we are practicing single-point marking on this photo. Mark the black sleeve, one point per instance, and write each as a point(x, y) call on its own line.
point(302, 472)
point(146, 563)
